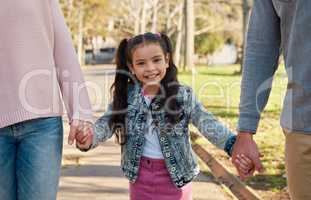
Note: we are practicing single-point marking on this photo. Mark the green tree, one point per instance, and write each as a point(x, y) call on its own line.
point(217, 22)
point(208, 43)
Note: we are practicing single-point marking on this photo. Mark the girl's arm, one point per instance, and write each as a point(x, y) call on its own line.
point(101, 133)
point(102, 130)
point(211, 128)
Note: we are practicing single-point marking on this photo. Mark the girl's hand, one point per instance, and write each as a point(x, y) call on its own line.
point(245, 165)
point(84, 139)
point(84, 142)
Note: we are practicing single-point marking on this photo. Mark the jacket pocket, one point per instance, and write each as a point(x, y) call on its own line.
point(183, 157)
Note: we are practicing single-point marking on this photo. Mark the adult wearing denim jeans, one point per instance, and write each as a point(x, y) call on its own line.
point(38, 68)
point(279, 26)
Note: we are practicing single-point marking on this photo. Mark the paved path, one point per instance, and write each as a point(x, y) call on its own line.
point(96, 175)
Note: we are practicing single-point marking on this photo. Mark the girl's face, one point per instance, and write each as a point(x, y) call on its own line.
point(149, 64)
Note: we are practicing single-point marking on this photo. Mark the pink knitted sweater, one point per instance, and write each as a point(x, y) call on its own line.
point(39, 69)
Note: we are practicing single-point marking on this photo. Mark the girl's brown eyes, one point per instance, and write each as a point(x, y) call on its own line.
point(156, 60)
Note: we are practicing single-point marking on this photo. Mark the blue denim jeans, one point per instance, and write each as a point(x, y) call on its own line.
point(30, 159)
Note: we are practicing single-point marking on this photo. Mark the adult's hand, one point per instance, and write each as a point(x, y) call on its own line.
point(79, 128)
point(245, 145)
point(84, 139)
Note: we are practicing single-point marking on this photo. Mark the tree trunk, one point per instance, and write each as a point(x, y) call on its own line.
point(179, 37)
point(189, 34)
point(136, 17)
point(154, 16)
point(80, 35)
point(136, 27)
point(143, 18)
point(168, 19)
point(183, 45)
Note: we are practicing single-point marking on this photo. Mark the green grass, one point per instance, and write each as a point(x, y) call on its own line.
point(218, 88)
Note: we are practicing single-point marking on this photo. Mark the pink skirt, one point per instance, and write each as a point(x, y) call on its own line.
point(154, 183)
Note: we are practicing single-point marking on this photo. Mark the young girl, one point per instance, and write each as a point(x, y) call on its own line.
point(150, 114)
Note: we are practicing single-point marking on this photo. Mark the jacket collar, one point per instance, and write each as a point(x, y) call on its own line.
point(136, 99)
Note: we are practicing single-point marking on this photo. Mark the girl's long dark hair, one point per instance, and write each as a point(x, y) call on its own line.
point(124, 78)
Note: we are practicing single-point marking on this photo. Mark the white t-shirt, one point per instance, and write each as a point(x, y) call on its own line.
point(152, 148)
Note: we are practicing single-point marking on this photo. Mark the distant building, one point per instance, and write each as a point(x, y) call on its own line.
point(226, 55)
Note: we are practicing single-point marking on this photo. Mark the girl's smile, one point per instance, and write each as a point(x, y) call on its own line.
point(152, 76)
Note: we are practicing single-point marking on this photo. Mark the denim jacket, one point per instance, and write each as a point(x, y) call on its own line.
point(174, 140)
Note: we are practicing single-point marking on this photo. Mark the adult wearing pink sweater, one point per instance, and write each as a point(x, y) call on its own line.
point(38, 72)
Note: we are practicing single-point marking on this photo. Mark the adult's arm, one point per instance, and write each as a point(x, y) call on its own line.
point(70, 76)
point(260, 63)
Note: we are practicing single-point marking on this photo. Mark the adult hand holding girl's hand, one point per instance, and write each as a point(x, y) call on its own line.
point(247, 146)
point(82, 133)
